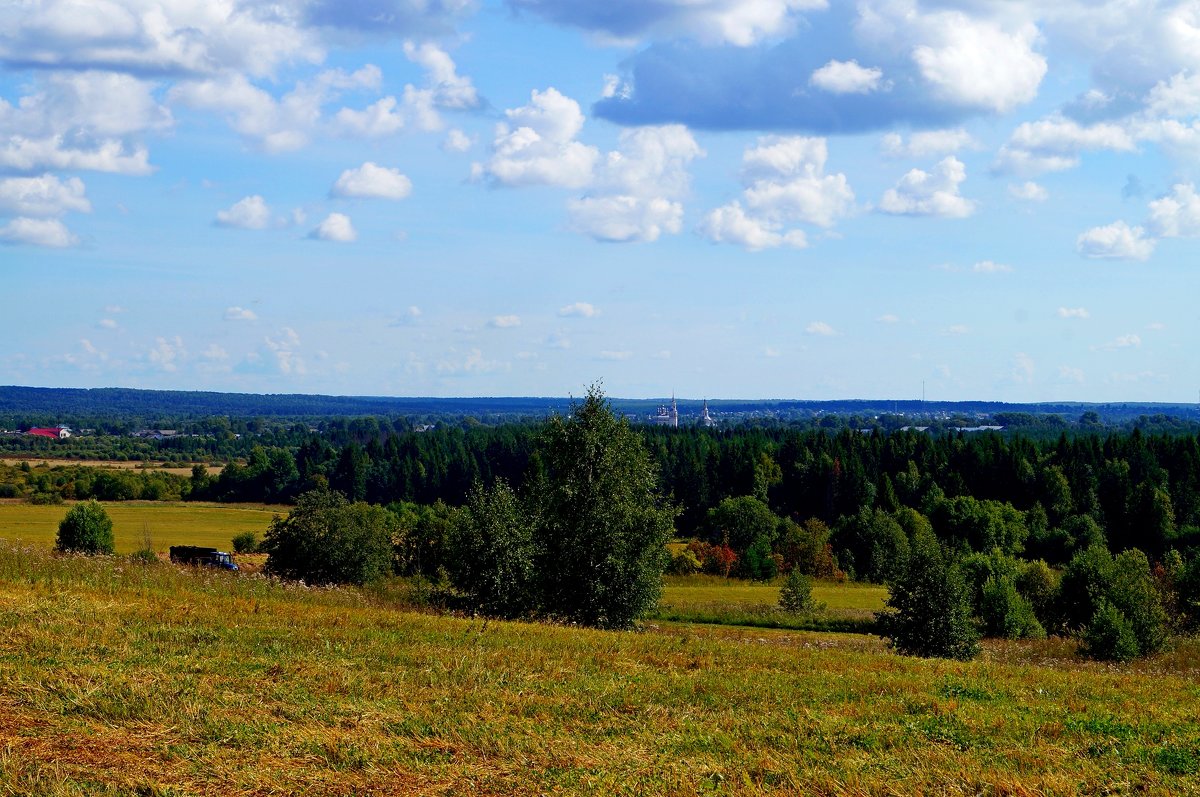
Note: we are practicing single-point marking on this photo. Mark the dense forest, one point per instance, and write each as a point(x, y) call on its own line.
point(1037, 497)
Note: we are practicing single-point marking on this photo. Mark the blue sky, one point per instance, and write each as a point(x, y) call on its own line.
point(735, 198)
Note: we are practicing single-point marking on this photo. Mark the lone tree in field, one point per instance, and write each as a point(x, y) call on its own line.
point(930, 609)
point(87, 528)
point(600, 525)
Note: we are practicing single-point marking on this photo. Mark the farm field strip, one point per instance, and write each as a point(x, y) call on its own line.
point(167, 523)
point(179, 469)
point(120, 679)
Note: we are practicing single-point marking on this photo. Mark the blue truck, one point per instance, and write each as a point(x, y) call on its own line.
point(202, 557)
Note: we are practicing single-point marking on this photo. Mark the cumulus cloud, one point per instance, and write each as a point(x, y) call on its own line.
point(927, 143)
point(847, 77)
point(1121, 342)
point(616, 356)
point(1116, 241)
point(1176, 215)
point(239, 314)
point(933, 193)
point(784, 183)
point(1028, 191)
point(43, 196)
point(284, 347)
point(167, 353)
point(537, 145)
point(50, 233)
point(372, 181)
point(1022, 369)
point(456, 141)
point(505, 321)
point(249, 213)
point(636, 194)
point(821, 329)
point(1056, 144)
point(974, 62)
point(578, 310)
point(1073, 312)
point(335, 227)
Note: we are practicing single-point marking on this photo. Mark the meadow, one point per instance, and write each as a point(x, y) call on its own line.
point(847, 606)
point(166, 523)
point(119, 678)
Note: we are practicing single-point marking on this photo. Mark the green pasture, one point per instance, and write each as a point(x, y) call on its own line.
point(167, 523)
point(118, 679)
point(714, 600)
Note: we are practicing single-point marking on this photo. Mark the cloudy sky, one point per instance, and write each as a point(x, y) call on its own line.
point(731, 198)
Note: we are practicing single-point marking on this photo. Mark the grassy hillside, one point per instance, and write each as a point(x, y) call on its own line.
point(117, 679)
point(167, 523)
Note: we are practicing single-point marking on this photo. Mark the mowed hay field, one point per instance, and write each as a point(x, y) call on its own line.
point(118, 678)
point(167, 523)
point(715, 600)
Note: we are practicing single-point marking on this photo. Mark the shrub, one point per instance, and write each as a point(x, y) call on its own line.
point(684, 563)
point(929, 613)
point(328, 540)
point(1109, 636)
point(1038, 584)
point(246, 542)
point(45, 498)
point(87, 528)
point(493, 553)
point(1134, 592)
point(796, 594)
point(1005, 613)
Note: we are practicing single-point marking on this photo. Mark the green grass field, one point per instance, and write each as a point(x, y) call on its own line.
point(168, 524)
point(118, 678)
point(715, 600)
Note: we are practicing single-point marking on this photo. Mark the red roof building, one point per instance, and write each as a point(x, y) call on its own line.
point(56, 432)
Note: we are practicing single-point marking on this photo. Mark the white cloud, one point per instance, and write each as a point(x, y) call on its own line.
point(1028, 191)
point(408, 316)
point(888, 318)
point(558, 340)
point(579, 310)
point(956, 329)
point(107, 323)
point(50, 233)
point(976, 63)
point(285, 348)
point(249, 213)
point(456, 141)
point(449, 89)
point(372, 181)
point(239, 314)
point(472, 362)
point(1176, 215)
point(934, 193)
point(1056, 144)
point(505, 321)
point(847, 77)
point(927, 143)
point(785, 183)
point(730, 224)
point(42, 196)
point(1022, 369)
point(1073, 312)
point(168, 353)
point(1121, 342)
point(275, 125)
point(615, 355)
point(634, 197)
point(1067, 373)
point(537, 145)
point(335, 227)
point(988, 267)
point(1116, 241)
point(821, 329)
point(215, 353)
